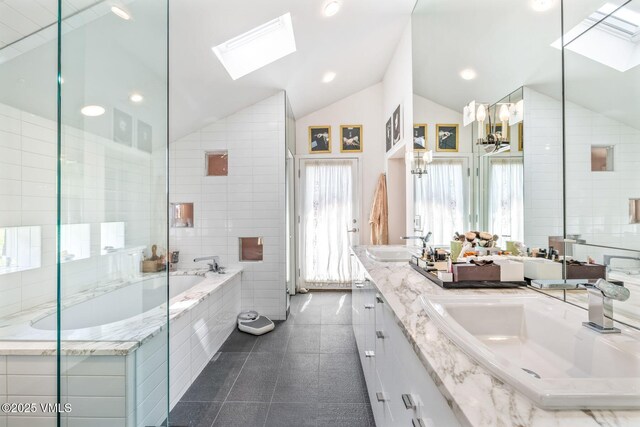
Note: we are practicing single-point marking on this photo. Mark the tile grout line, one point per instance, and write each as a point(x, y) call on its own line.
point(234, 382)
point(275, 386)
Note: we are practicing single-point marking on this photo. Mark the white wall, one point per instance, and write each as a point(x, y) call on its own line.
point(361, 108)
point(249, 202)
point(397, 90)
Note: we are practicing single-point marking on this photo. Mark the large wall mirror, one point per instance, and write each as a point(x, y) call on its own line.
point(479, 183)
point(564, 178)
point(602, 140)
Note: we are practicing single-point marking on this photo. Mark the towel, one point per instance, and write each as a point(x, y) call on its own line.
point(379, 217)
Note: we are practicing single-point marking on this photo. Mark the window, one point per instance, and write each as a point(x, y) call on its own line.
point(506, 198)
point(440, 199)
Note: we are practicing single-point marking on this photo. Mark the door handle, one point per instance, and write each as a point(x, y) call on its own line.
point(353, 230)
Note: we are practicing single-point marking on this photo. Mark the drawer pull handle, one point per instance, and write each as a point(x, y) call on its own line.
point(408, 401)
point(381, 397)
point(369, 306)
point(379, 299)
point(359, 285)
point(417, 422)
point(369, 353)
point(380, 335)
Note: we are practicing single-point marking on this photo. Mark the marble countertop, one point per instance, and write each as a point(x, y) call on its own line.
point(18, 337)
point(477, 397)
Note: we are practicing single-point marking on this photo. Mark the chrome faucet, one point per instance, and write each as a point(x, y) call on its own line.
point(424, 240)
point(601, 296)
point(214, 265)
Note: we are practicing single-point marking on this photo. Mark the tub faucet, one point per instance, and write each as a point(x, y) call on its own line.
point(424, 240)
point(214, 265)
point(601, 296)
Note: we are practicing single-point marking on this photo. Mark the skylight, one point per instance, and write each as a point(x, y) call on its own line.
point(257, 47)
point(610, 36)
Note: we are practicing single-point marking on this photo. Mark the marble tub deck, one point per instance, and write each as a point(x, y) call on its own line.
point(18, 337)
point(478, 398)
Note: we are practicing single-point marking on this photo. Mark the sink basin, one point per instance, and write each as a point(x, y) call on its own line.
point(389, 253)
point(538, 346)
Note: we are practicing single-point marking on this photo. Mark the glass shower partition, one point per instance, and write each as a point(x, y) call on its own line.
point(112, 222)
point(83, 213)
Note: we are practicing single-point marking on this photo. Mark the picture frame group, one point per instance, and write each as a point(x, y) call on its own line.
point(447, 137)
point(393, 128)
point(351, 139)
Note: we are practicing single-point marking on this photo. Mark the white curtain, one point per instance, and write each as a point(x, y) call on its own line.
point(506, 199)
point(439, 198)
point(328, 212)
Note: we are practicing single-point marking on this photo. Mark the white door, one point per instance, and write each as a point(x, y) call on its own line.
point(329, 224)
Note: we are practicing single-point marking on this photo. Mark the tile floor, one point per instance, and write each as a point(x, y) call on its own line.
point(304, 373)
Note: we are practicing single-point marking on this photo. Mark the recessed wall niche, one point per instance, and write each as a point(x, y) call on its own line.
point(217, 163)
point(251, 249)
point(181, 215)
point(601, 158)
point(634, 211)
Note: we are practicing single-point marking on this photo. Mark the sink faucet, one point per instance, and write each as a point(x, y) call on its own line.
point(601, 296)
point(424, 240)
point(214, 265)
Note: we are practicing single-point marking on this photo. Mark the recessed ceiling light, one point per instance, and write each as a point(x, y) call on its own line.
point(257, 47)
point(328, 77)
point(468, 74)
point(541, 5)
point(331, 8)
point(92, 110)
point(120, 13)
point(136, 97)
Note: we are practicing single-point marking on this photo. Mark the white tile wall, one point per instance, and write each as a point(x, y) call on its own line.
point(249, 202)
point(597, 202)
point(197, 336)
point(542, 168)
point(102, 181)
point(94, 386)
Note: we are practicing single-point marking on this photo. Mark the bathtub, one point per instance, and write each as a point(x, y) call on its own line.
point(120, 333)
point(127, 302)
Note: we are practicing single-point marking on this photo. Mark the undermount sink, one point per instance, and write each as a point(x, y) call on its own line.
point(389, 253)
point(538, 346)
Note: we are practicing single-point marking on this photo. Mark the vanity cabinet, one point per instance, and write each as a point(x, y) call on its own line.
point(400, 390)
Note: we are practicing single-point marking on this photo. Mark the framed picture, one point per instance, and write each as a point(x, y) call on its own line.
point(420, 137)
point(498, 128)
point(319, 139)
point(144, 134)
point(351, 138)
point(122, 127)
point(520, 136)
point(389, 137)
point(397, 125)
point(447, 137)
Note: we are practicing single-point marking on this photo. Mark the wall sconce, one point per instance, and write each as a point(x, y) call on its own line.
point(419, 161)
point(494, 137)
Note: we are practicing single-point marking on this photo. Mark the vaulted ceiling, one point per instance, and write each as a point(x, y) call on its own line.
point(357, 44)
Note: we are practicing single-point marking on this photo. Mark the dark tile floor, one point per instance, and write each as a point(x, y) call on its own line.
point(304, 373)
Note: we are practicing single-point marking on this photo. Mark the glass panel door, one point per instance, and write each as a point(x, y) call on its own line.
point(329, 220)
